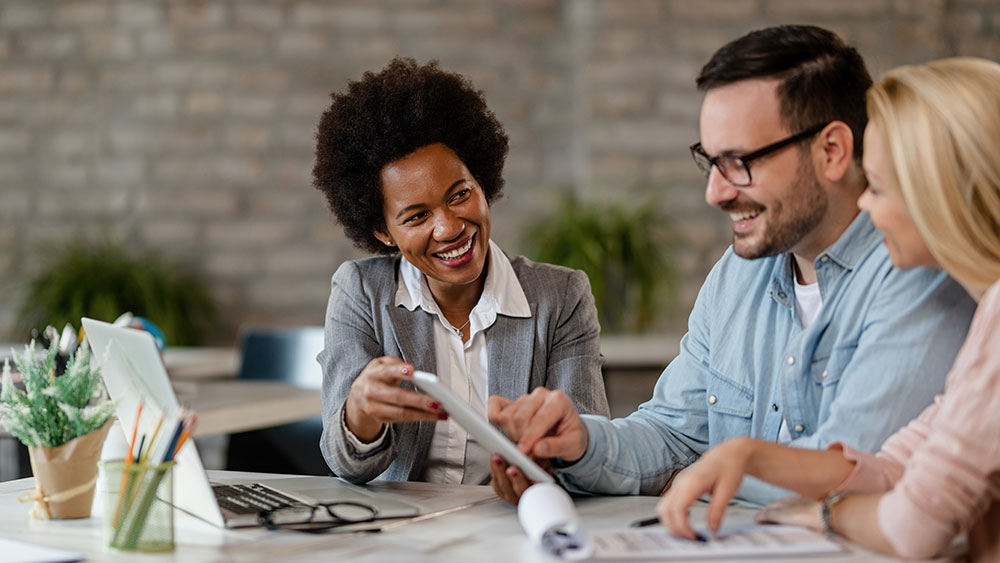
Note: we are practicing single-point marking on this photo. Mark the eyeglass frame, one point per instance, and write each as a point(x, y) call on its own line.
point(264, 517)
point(700, 156)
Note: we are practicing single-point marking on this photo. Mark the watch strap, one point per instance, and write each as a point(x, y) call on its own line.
point(828, 503)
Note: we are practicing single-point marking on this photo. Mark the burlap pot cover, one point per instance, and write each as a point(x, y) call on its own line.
point(65, 476)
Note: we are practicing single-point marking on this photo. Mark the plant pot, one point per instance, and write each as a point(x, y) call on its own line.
point(65, 476)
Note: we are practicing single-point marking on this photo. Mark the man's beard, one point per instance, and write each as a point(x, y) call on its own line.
point(790, 221)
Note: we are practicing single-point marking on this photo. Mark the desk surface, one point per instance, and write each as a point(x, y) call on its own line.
point(233, 405)
point(487, 532)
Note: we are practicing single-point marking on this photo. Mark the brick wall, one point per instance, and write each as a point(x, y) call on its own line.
point(187, 127)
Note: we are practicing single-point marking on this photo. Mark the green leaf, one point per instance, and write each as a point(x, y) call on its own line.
point(624, 250)
point(104, 280)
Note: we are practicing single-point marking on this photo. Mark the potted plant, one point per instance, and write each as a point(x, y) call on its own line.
point(63, 419)
point(104, 280)
point(623, 249)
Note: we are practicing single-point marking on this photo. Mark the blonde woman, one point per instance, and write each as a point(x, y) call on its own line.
point(932, 157)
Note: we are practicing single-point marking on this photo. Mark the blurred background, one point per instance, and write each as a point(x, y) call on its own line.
point(180, 135)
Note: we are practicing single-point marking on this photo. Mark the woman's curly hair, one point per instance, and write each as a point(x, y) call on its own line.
point(388, 115)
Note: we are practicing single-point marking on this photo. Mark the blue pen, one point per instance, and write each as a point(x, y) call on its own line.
point(173, 442)
point(138, 452)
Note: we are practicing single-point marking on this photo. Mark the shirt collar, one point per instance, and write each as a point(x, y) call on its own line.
point(502, 292)
point(847, 252)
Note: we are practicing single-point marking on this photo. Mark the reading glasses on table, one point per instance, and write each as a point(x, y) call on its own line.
point(317, 518)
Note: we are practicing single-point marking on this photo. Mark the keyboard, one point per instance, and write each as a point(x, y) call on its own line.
point(249, 499)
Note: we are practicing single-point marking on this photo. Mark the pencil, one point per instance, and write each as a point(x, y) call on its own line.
point(135, 430)
point(156, 432)
point(188, 431)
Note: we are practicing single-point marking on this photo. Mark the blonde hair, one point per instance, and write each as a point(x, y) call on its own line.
point(940, 122)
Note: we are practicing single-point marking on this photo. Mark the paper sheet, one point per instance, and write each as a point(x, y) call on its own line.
point(736, 542)
point(19, 552)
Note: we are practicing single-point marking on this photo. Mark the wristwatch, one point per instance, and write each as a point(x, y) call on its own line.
point(829, 502)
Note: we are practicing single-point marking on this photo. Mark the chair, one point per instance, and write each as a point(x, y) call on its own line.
point(282, 354)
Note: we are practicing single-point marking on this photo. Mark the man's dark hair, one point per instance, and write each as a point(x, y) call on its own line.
point(388, 115)
point(822, 78)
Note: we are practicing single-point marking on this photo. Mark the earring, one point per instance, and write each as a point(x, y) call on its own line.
point(390, 243)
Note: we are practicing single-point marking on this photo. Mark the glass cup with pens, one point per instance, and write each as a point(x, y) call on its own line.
point(138, 512)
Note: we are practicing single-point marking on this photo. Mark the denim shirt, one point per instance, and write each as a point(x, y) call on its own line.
point(872, 360)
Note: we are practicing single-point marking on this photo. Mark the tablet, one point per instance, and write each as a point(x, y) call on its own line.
point(480, 429)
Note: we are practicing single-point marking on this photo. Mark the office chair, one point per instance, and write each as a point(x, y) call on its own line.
point(280, 354)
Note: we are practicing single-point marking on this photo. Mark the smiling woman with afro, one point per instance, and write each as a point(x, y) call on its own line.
point(410, 159)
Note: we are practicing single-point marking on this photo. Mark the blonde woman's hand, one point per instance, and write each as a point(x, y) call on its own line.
point(719, 472)
point(793, 511)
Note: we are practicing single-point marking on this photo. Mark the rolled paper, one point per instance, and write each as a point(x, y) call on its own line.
point(551, 523)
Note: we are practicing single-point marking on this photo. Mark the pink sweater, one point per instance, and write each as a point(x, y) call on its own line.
point(941, 472)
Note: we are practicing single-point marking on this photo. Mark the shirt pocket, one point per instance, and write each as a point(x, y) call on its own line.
point(727, 397)
point(827, 370)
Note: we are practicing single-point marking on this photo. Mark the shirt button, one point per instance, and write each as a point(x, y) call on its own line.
point(799, 428)
point(712, 399)
point(824, 258)
point(781, 295)
point(774, 407)
point(825, 373)
point(791, 360)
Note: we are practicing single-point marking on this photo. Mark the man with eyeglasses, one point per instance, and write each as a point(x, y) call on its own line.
point(803, 332)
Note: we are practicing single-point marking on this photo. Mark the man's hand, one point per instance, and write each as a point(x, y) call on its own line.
point(545, 425)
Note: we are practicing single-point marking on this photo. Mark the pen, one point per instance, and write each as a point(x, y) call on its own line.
point(645, 522)
point(656, 520)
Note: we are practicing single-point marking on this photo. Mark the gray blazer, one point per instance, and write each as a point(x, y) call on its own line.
point(557, 347)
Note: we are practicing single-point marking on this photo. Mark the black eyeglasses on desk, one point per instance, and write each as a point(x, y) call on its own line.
point(317, 518)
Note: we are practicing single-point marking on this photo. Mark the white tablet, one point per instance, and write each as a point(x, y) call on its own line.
point(491, 438)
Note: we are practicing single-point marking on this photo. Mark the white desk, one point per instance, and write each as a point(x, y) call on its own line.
point(487, 532)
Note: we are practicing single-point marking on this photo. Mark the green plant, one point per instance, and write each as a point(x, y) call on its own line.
point(52, 410)
point(104, 280)
point(624, 251)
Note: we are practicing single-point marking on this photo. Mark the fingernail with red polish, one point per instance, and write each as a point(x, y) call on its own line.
point(434, 405)
point(515, 473)
point(497, 460)
point(406, 371)
point(443, 416)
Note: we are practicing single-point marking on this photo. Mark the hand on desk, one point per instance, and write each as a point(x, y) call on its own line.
point(719, 472)
point(376, 399)
point(793, 511)
point(545, 425)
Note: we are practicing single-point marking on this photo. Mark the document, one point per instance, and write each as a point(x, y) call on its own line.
point(19, 552)
point(736, 542)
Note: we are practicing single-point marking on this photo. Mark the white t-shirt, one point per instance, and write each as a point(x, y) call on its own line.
point(808, 304)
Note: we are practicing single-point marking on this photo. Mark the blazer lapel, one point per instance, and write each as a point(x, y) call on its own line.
point(414, 333)
point(509, 348)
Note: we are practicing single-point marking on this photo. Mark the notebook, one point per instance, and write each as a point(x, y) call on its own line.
point(133, 371)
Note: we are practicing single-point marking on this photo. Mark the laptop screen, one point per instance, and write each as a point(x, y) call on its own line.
point(133, 371)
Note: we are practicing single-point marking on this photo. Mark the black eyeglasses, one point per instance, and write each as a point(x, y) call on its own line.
point(317, 518)
point(735, 168)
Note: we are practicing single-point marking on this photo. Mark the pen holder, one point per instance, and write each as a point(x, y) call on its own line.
point(138, 507)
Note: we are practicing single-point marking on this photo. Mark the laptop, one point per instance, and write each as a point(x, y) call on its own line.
point(133, 371)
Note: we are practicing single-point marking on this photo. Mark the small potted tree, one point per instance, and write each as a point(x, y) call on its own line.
point(63, 420)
